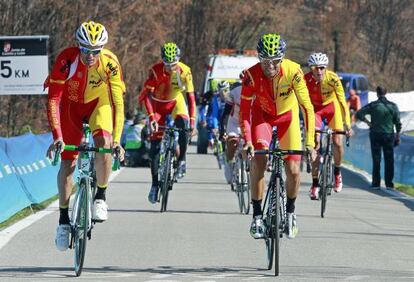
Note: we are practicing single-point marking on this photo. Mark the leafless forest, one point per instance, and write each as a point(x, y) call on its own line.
point(372, 37)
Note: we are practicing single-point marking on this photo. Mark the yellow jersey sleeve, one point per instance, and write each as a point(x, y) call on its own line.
point(305, 103)
point(340, 95)
point(117, 89)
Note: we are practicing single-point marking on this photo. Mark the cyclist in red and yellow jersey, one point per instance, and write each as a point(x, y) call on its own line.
point(163, 96)
point(85, 85)
point(272, 93)
point(328, 99)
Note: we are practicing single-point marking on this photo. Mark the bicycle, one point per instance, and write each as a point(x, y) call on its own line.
point(241, 180)
point(326, 175)
point(274, 208)
point(81, 222)
point(218, 150)
point(168, 163)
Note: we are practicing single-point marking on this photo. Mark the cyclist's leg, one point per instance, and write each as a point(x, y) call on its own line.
point(336, 123)
point(71, 126)
point(289, 136)
point(314, 190)
point(101, 125)
point(261, 136)
point(182, 122)
point(233, 133)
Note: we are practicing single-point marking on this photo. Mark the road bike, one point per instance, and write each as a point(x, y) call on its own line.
point(241, 180)
point(218, 150)
point(81, 222)
point(326, 174)
point(274, 208)
point(167, 170)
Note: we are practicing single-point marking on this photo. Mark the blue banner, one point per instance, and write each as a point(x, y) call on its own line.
point(12, 198)
point(30, 177)
point(359, 154)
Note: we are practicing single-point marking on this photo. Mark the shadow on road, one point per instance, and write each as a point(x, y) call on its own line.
point(174, 211)
point(355, 180)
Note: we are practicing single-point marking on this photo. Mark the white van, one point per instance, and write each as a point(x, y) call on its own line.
point(227, 64)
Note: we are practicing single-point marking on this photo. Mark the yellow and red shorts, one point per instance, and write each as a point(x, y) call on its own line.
point(332, 113)
point(97, 113)
point(288, 131)
point(163, 109)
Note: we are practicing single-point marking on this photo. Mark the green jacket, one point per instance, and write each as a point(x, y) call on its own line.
point(384, 115)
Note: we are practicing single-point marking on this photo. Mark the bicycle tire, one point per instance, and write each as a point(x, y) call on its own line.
point(326, 171)
point(277, 225)
point(245, 187)
point(81, 224)
point(269, 223)
point(166, 181)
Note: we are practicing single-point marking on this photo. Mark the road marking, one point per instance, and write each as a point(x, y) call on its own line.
point(7, 234)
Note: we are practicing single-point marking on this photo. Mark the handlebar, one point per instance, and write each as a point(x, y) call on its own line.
point(84, 148)
point(280, 152)
point(169, 128)
point(331, 131)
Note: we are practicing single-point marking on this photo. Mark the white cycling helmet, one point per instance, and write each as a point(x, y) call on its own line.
point(224, 84)
point(318, 59)
point(92, 34)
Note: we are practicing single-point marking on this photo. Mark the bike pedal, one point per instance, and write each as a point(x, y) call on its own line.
point(97, 221)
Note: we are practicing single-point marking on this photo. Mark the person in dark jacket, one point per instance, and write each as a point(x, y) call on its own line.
point(384, 116)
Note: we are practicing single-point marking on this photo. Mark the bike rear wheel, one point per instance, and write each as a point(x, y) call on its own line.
point(81, 224)
point(245, 188)
point(166, 182)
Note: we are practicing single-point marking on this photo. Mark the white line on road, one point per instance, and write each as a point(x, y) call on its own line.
point(7, 234)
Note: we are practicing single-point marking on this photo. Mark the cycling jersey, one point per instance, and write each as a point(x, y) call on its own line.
point(233, 126)
point(329, 93)
point(96, 92)
point(266, 102)
point(163, 92)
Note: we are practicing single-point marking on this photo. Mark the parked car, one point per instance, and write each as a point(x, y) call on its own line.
point(356, 81)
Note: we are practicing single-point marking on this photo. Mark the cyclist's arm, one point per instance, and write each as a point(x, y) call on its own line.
point(146, 93)
point(247, 96)
point(225, 114)
point(116, 90)
point(56, 84)
point(340, 95)
point(305, 103)
point(190, 98)
point(366, 110)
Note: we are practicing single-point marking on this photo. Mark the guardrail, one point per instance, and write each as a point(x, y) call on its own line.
point(26, 175)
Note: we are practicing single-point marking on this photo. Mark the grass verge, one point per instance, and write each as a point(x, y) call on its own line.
point(26, 212)
point(407, 189)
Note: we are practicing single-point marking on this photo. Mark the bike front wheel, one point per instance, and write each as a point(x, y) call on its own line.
point(325, 184)
point(80, 224)
point(166, 182)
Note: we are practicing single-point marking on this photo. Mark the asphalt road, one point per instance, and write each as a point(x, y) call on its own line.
point(366, 236)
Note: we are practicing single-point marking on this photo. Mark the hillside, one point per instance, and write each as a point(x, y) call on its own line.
point(372, 37)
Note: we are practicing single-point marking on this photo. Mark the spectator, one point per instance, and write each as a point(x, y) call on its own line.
point(354, 104)
point(384, 116)
point(136, 151)
point(128, 121)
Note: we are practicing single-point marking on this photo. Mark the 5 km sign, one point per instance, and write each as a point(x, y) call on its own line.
point(23, 64)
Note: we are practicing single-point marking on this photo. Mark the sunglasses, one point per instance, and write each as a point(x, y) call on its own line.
point(318, 68)
point(270, 61)
point(170, 65)
point(87, 51)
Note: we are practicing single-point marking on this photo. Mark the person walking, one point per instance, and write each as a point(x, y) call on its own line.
point(384, 116)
